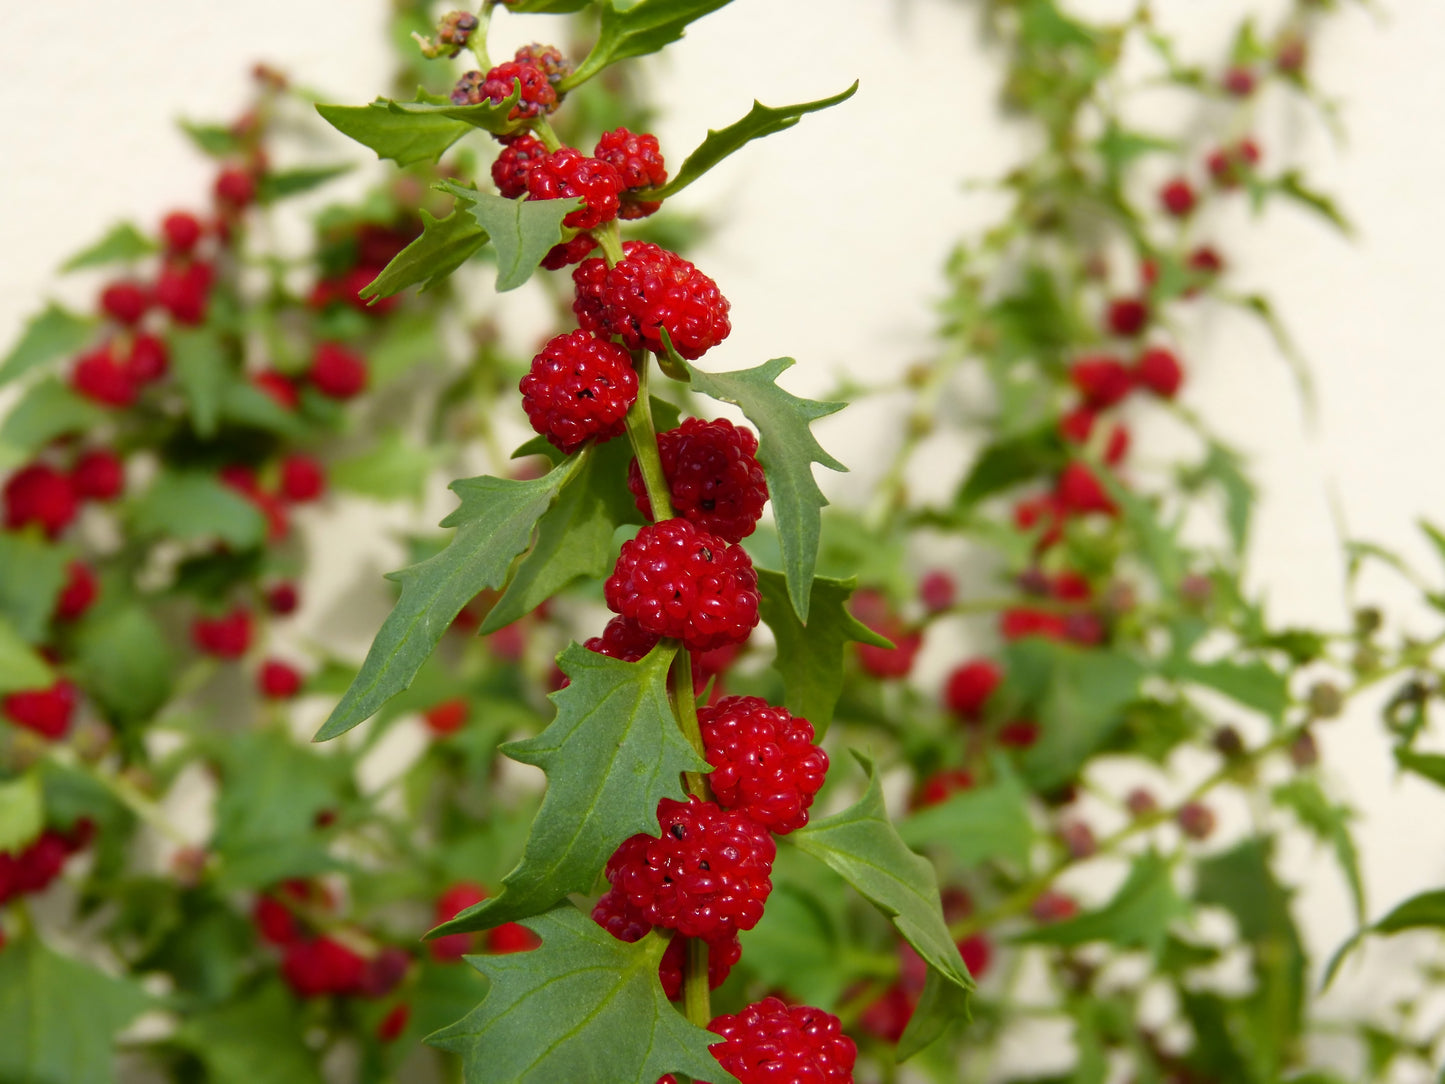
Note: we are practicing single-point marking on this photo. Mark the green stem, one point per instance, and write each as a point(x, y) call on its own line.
point(685, 702)
point(610, 241)
point(477, 43)
point(696, 996)
point(643, 437)
point(543, 130)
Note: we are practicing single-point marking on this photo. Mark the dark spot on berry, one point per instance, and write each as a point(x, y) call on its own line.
point(707, 504)
point(678, 831)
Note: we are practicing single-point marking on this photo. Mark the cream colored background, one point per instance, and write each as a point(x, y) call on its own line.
point(834, 236)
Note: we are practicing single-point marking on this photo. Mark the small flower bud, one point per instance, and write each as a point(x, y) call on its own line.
point(1196, 820)
point(1325, 700)
point(1304, 752)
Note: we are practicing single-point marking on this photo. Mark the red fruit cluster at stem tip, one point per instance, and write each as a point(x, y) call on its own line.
point(226, 637)
point(770, 1042)
point(1178, 197)
point(547, 59)
point(302, 479)
point(570, 174)
point(509, 171)
point(713, 475)
point(579, 388)
point(969, 686)
point(651, 289)
point(677, 580)
point(764, 761)
point(638, 160)
point(42, 495)
point(46, 712)
point(496, 86)
point(706, 876)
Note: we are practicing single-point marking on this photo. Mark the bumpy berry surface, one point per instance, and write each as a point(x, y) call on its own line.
point(970, 685)
point(568, 174)
point(677, 580)
point(39, 494)
point(337, 372)
point(764, 761)
point(713, 474)
point(509, 171)
point(638, 159)
point(707, 876)
point(538, 94)
point(619, 918)
point(579, 388)
point(624, 639)
point(648, 290)
point(768, 1043)
point(569, 252)
point(547, 59)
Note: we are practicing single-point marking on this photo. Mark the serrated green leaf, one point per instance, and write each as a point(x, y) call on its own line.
point(125, 663)
point(487, 115)
point(54, 332)
point(494, 523)
point(1292, 186)
point(1011, 461)
point(203, 372)
point(190, 505)
point(395, 468)
point(977, 825)
point(1254, 684)
point(405, 138)
point(584, 1007)
point(28, 601)
point(522, 230)
point(213, 139)
point(243, 403)
point(444, 245)
point(574, 537)
point(47, 410)
point(22, 812)
point(1119, 147)
point(293, 182)
point(59, 1017)
point(225, 1041)
point(1331, 823)
point(787, 450)
point(20, 667)
point(1138, 915)
point(762, 120)
point(862, 846)
point(641, 28)
point(611, 754)
point(123, 244)
point(810, 657)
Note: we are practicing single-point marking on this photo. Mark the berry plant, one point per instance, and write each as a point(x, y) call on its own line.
point(635, 783)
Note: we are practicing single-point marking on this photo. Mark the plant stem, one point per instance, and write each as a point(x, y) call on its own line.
point(643, 437)
point(696, 996)
point(477, 43)
point(610, 241)
point(543, 129)
point(685, 704)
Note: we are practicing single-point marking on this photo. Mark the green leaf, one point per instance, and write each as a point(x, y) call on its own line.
point(494, 524)
point(1331, 823)
point(1138, 916)
point(408, 339)
point(190, 505)
point(213, 139)
point(203, 372)
point(28, 601)
point(1429, 766)
point(242, 403)
point(55, 332)
point(1291, 185)
point(1119, 147)
point(639, 29)
point(59, 1017)
point(444, 245)
point(977, 825)
point(800, 942)
point(405, 138)
point(20, 667)
point(787, 450)
point(489, 116)
point(762, 120)
point(522, 230)
point(122, 244)
point(293, 182)
point(1011, 461)
point(612, 753)
point(47, 410)
point(125, 663)
point(395, 468)
point(1254, 684)
point(584, 1007)
point(1435, 535)
point(862, 846)
point(225, 1041)
point(22, 812)
point(810, 657)
point(574, 537)
point(1261, 307)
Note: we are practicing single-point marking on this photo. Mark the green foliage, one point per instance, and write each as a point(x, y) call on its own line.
point(22, 812)
point(282, 184)
point(204, 372)
point(1011, 461)
point(1330, 823)
point(787, 450)
point(125, 663)
point(584, 1007)
point(195, 505)
point(1138, 916)
point(27, 602)
point(392, 132)
point(521, 230)
point(444, 245)
point(224, 1039)
point(20, 666)
point(612, 753)
point(977, 825)
point(636, 29)
point(54, 333)
point(123, 244)
point(47, 410)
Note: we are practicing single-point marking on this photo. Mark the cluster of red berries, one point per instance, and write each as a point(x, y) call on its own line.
point(38, 864)
point(509, 937)
point(50, 497)
point(770, 1042)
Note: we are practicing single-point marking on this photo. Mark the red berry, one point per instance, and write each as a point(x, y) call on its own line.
point(568, 174)
point(769, 1043)
point(148, 359)
point(385, 971)
point(1077, 424)
point(1080, 492)
point(977, 954)
point(1118, 446)
point(511, 937)
point(937, 591)
point(1229, 165)
point(1239, 81)
point(452, 902)
point(721, 955)
point(1206, 260)
point(278, 388)
point(125, 302)
point(274, 921)
point(183, 290)
point(46, 712)
point(337, 372)
point(226, 637)
point(1070, 586)
point(40, 863)
point(1128, 316)
point(638, 159)
point(182, 231)
point(537, 94)
point(569, 252)
point(1051, 906)
point(235, 187)
point(942, 785)
point(619, 918)
point(81, 587)
point(623, 639)
point(713, 474)
point(323, 966)
point(1020, 623)
point(1141, 802)
point(1102, 381)
point(39, 494)
point(1078, 839)
point(446, 718)
point(98, 475)
point(302, 479)
point(1159, 370)
point(547, 59)
point(1291, 54)
point(278, 680)
point(1197, 820)
point(874, 610)
point(1178, 197)
point(763, 759)
point(969, 687)
point(579, 388)
point(101, 378)
point(649, 290)
point(393, 1024)
point(282, 598)
point(678, 580)
point(1041, 511)
point(708, 874)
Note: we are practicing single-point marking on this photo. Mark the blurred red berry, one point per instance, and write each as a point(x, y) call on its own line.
point(970, 685)
point(1102, 381)
point(393, 1024)
point(274, 921)
point(282, 598)
point(102, 379)
point(278, 680)
point(1051, 906)
point(942, 785)
point(1196, 820)
point(46, 712)
point(148, 361)
point(98, 475)
point(1178, 197)
point(1080, 492)
point(226, 637)
point(446, 718)
point(977, 954)
point(873, 609)
point(1159, 370)
point(1127, 316)
point(42, 495)
point(1019, 734)
point(1239, 81)
point(81, 587)
point(235, 187)
point(182, 231)
point(937, 591)
point(302, 479)
point(337, 372)
point(452, 902)
point(279, 387)
point(125, 302)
